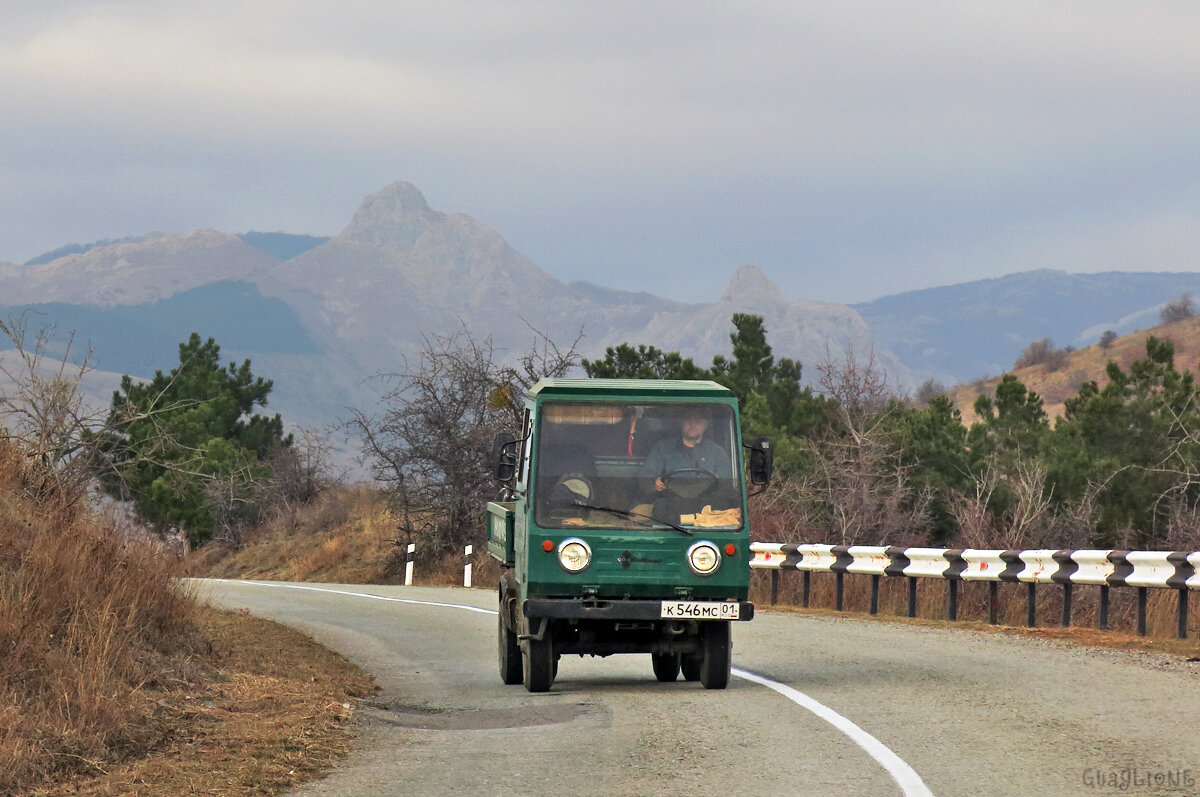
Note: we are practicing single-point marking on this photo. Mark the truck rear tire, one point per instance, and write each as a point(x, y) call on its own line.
point(690, 666)
point(718, 648)
point(538, 663)
point(510, 654)
point(666, 666)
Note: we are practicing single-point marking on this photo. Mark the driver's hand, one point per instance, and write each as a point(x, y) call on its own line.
point(659, 486)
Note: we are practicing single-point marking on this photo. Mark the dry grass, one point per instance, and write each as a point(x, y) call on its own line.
point(932, 605)
point(346, 537)
point(1055, 386)
point(87, 621)
point(113, 681)
point(274, 712)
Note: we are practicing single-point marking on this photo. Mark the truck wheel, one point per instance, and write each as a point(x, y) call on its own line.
point(666, 666)
point(714, 669)
point(690, 665)
point(510, 654)
point(538, 663)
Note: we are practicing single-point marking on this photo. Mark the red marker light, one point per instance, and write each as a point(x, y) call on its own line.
point(730, 549)
point(547, 546)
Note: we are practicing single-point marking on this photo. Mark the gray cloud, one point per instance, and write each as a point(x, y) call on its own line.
point(850, 149)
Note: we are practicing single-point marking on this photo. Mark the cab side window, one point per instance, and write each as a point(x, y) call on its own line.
point(526, 444)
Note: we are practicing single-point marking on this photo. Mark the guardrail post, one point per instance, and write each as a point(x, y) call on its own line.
point(874, 593)
point(408, 564)
point(1031, 605)
point(467, 566)
point(774, 586)
point(841, 588)
point(952, 602)
point(1141, 611)
point(912, 596)
point(1103, 620)
point(993, 595)
point(1065, 622)
point(1182, 617)
point(805, 588)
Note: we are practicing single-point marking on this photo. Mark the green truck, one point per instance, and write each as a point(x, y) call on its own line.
point(626, 527)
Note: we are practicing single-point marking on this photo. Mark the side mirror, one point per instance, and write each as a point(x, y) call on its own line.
point(504, 457)
point(762, 461)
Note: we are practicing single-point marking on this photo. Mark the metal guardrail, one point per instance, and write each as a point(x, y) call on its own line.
point(1143, 570)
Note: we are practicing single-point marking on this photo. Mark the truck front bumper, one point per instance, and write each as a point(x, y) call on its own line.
point(596, 609)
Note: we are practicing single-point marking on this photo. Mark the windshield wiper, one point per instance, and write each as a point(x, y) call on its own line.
point(633, 516)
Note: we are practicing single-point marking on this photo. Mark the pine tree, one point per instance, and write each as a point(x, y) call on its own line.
point(181, 432)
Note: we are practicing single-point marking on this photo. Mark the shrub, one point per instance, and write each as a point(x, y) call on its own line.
point(929, 390)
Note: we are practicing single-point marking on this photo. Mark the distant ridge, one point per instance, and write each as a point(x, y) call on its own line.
point(138, 339)
point(78, 249)
point(283, 245)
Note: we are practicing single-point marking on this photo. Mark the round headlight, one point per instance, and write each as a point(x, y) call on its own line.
point(574, 555)
point(703, 558)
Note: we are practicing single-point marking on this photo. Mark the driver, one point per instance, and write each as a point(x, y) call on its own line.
point(691, 451)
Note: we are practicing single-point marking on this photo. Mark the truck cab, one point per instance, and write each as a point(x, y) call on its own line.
point(626, 530)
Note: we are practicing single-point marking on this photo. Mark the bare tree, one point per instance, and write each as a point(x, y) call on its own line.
point(543, 360)
point(1177, 309)
point(297, 474)
point(858, 388)
point(856, 486)
point(976, 524)
point(42, 407)
point(431, 441)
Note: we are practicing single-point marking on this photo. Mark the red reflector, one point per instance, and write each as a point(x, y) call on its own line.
point(547, 546)
point(730, 549)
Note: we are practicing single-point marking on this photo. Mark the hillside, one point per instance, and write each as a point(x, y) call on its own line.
point(1087, 364)
point(971, 330)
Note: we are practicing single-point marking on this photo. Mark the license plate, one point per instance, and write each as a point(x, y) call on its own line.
point(700, 610)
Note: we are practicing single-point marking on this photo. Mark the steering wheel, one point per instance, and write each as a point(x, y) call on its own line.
point(689, 482)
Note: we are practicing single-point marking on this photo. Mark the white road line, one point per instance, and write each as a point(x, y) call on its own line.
point(904, 775)
point(355, 594)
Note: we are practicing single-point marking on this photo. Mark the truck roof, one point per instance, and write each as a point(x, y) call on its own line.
point(650, 388)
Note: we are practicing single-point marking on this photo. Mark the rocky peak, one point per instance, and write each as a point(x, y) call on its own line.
point(750, 286)
point(393, 218)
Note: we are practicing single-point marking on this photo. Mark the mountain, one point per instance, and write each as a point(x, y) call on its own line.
point(322, 316)
point(132, 272)
point(962, 332)
point(811, 332)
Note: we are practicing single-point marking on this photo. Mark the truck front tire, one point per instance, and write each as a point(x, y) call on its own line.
point(718, 648)
point(538, 663)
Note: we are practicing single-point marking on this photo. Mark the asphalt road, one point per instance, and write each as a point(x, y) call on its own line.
point(857, 707)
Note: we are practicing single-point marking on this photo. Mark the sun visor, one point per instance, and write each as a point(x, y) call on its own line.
point(589, 414)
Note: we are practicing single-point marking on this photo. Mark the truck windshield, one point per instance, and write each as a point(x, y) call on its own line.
point(637, 466)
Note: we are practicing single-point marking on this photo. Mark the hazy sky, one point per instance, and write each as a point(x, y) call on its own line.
point(850, 149)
